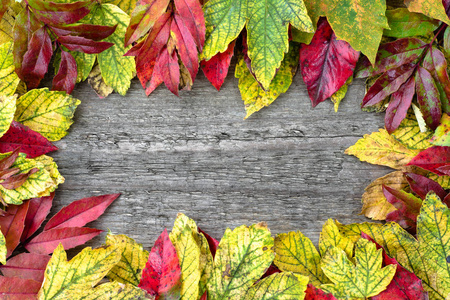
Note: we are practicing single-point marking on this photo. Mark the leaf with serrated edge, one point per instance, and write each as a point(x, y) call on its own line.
point(7, 110)
point(82, 272)
point(441, 136)
point(8, 77)
point(108, 291)
point(431, 8)
point(282, 286)
point(331, 237)
point(409, 134)
point(242, 257)
point(129, 269)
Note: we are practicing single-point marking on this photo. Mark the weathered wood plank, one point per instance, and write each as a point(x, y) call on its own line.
point(196, 154)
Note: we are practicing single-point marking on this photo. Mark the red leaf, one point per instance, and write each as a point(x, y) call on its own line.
point(432, 158)
point(79, 43)
point(271, 270)
point(313, 293)
point(38, 210)
point(436, 64)
point(80, 212)
point(404, 286)
point(37, 58)
point(212, 242)
point(428, 97)
point(144, 16)
point(161, 276)
point(170, 70)
point(15, 181)
point(326, 63)
point(88, 31)
point(26, 266)
point(14, 288)
point(8, 161)
point(12, 225)
point(191, 13)
point(388, 83)
point(54, 13)
point(216, 69)
point(444, 170)
point(398, 106)
point(67, 74)
point(24, 139)
point(421, 185)
point(47, 241)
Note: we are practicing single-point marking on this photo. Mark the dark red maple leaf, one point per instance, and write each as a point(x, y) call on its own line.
point(326, 63)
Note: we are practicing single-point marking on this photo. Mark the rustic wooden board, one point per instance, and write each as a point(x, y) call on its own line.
point(196, 154)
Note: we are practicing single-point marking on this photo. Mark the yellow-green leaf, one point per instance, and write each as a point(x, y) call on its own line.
point(7, 22)
point(364, 279)
point(381, 148)
point(441, 136)
point(109, 291)
point(97, 82)
point(133, 258)
point(331, 237)
point(47, 112)
point(255, 98)
point(294, 252)
point(431, 8)
point(8, 77)
point(51, 167)
point(353, 231)
point(7, 110)
point(81, 273)
point(280, 286)
point(117, 70)
point(443, 181)
point(125, 5)
point(85, 63)
point(337, 97)
point(242, 257)
point(409, 134)
point(3, 249)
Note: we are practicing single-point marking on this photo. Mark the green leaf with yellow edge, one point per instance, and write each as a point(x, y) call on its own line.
point(8, 77)
point(255, 98)
point(294, 252)
point(133, 258)
point(109, 291)
point(242, 257)
point(280, 286)
point(381, 148)
point(126, 5)
point(431, 8)
point(409, 134)
point(441, 136)
point(337, 97)
point(364, 279)
point(47, 112)
point(7, 110)
point(117, 70)
point(331, 237)
point(85, 270)
point(8, 20)
point(37, 185)
point(3, 249)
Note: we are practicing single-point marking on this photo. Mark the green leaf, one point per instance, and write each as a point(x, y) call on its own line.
point(242, 257)
point(432, 8)
point(8, 77)
point(365, 279)
point(7, 110)
point(47, 112)
point(85, 63)
point(404, 23)
point(3, 249)
point(255, 98)
point(409, 134)
point(441, 136)
point(281, 286)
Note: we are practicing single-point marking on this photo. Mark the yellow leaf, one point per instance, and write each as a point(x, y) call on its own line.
point(337, 97)
point(133, 258)
point(242, 257)
point(8, 77)
point(7, 109)
point(125, 5)
point(365, 279)
point(294, 252)
point(441, 136)
point(409, 134)
point(331, 237)
point(431, 8)
point(80, 274)
point(443, 181)
point(7, 22)
point(3, 249)
point(280, 286)
point(47, 112)
point(96, 81)
point(51, 168)
point(382, 149)
point(109, 291)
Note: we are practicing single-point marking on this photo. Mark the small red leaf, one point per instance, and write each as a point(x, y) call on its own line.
point(421, 185)
point(26, 266)
point(24, 139)
point(88, 31)
point(67, 74)
point(38, 210)
point(432, 158)
point(79, 43)
point(170, 70)
point(81, 212)
point(14, 288)
point(313, 293)
point(12, 225)
point(191, 13)
point(326, 63)
point(398, 106)
point(216, 69)
point(428, 98)
point(212, 242)
point(8, 161)
point(161, 276)
point(15, 181)
point(54, 13)
point(444, 170)
point(47, 241)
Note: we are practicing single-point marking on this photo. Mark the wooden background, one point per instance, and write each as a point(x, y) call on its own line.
point(195, 154)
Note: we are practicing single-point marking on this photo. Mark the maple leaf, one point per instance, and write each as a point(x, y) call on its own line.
point(161, 276)
point(8, 78)
point(441, 136)
point(216, 68)
point(403, 23)
point(326, 63)
point(26, 266)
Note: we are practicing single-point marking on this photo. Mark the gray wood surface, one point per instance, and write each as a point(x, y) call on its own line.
point(195, 154)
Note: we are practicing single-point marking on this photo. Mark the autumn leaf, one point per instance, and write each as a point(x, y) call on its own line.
point(422, 185)
point(82, 272)
point(364, 279)
point(441, 136)
point(216, 68)
point(111, 291)
point(161, 276)
point(314, 293)
point(3, 249)
point(7, 110)
point(67, 74)
point(8, 20)
point(8, 77)
point(403, 23)
point(97, 82)
point(339, 95)
point(212, 242)
point(26, 266)
point(13, 288)
point(285, 285)
point(331, 237)
point(326, 63)
point(126, 5)
point(38, 210)
point(242, 257)
point(432, 159)
point(408, 133)
point(12, 225)
point(129, 269)
point(431, 8)
point(47, 112)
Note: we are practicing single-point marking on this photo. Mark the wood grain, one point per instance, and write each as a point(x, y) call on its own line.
point(195, 154)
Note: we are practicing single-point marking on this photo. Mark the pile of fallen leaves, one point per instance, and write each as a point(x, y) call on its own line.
point(403, 53)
